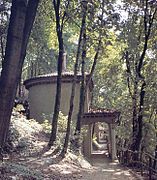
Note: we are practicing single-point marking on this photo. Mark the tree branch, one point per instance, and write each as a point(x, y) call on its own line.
point(64, 15)
point(147, 28)
point(129, 74)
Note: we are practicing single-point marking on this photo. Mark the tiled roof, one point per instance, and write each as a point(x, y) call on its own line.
point(64, 74)
point(101, 115)
point(52, 78)
point(101, 112)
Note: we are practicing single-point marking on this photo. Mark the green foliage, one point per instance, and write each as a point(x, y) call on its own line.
point(22, 135)
point(4, 21)
point(46, 126)
point(110, 77)
point(21, 171)
point(41, 54)
point(149, 138)
point(43, 46)
point(62, 122)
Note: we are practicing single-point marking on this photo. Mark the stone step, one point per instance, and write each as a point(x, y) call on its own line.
point(99, 155)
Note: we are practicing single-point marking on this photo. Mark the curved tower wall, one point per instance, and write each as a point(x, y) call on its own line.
point(41, 97)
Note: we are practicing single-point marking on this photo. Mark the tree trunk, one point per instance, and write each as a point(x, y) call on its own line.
point(134, 114)
point(83, 85)
point(59, 70)
point(82, 88)
point(57, 101)
point(29, 20)
point(138, 115)
point(9, 79)
point(81, 103)
point(138, 137)
point(154, 163)
point(21, 21)
point(65, 146)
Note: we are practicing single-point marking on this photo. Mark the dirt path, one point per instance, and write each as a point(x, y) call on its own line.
point(46, 165)
point(37, 162)
point(104, 169)
point(101, 169)
point(49, 166)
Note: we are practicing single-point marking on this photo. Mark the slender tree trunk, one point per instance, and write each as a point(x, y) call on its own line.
point(154, 163)
point(149, 16)
point(56, 4)
point(82, 88)
point(98, 47)
point(57, 101)
point(134, 112)
point(138, 135)
point(21, 20)
point(148, 21)
point(74, 84)
point(94, 63)
point(65, 146)
point(31, 70)
point(155, 125)
point(84, 83)
point(81, 103)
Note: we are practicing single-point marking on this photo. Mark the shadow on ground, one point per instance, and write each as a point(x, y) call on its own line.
point(104, 169)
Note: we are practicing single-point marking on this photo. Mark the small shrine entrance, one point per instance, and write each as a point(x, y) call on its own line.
point(99, 139)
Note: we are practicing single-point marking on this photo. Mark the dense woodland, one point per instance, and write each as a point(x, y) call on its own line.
point(115, 41)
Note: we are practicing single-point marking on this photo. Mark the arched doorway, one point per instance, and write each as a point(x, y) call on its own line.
point(100, 135)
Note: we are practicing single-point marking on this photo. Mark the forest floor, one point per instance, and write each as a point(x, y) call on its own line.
point(47, 165)
point(42, 163)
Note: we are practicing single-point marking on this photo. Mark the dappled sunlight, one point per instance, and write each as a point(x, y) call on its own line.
point(108, 170)
point(66, 172)
point(64, 168)
point(104, 169)
point(49, 163)
point(122, 172)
